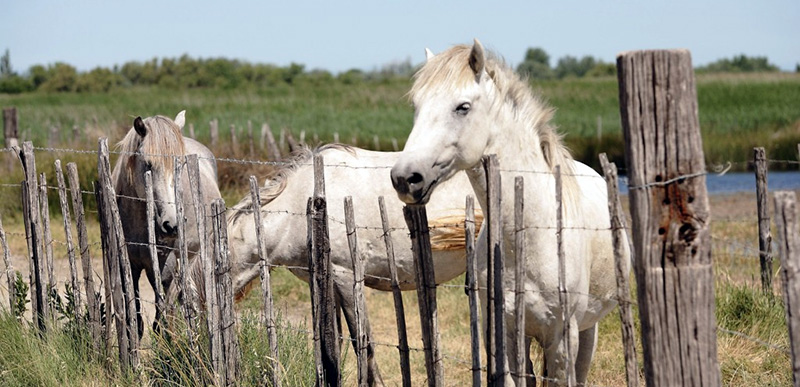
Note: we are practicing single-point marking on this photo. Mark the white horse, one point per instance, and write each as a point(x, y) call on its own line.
point(151, 145)
point(364, 175)
point(468, 105)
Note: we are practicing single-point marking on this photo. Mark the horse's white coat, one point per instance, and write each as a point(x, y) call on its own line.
point(364, 175)
point(469, 105)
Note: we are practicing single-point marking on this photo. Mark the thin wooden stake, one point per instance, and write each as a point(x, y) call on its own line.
point(788, 231)
point(250, 138)
point(92, 298)
point(268, 316)
point(563, 295)
point(151, 245)
point(10, 128)
point(274, 151)
point(186, 294)
point(30, 194)
point(399, 311)
point(191, 131)
point(12, 293)
point(519, 279)
point(472, 290)
point(496, 362)
point(764, 234)
point(358, 293)
point(234, 140)
point(622, 268)
point(73, 267)
point(213, 132)
point(48, 238)
point(225, 295)
point(417, 221)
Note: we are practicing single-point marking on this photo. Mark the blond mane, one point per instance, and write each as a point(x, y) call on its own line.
point(163, 139)
point(449, 71)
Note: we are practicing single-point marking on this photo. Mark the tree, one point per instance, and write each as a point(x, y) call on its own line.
point(536, 64)
point(739, 64)
point(5, 65)
point(61, 77)
point(570, 66)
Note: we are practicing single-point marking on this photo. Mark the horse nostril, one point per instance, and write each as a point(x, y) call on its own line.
point(415, 178)
point(168, 228)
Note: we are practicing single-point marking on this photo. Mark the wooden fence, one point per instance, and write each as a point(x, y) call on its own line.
point(670, 214)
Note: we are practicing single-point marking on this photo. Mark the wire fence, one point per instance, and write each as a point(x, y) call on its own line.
point(732, 246)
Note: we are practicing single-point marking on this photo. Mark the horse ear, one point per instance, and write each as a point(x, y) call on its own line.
point(429, 54)
point(180, 119)
point(477, 59)
point(138, 124)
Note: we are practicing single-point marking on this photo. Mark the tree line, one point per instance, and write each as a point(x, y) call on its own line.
point(186, 72)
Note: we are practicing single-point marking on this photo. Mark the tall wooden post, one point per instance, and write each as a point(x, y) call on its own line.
point(789, 242)
point(496, 337)
point(33, 231)
point(669, 206)
point(764, 234)
point(10, 127)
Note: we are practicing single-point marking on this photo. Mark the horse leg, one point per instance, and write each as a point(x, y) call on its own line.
point(347, 302)
point(151, 277)
point(530, 380)
point(136, 273)
point(560, 367)
point(587, 342)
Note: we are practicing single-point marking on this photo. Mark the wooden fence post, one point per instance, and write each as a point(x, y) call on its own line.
point(669, 206)
point(789, 242)
point(191, 131)
point(73, 267)
point(30, 195)
point(12, 293)
point(563, 295)
point(622, 268)
point(47, 238)
point(10, 127)
point(496, 362)
point(225, 297)
point(399, 311)
point(358, 294)
point(519, 283)
point(92, 302)
point(186, 294)
point(125, 302)
point(151, 246)
point(764, 234)
point(417, 221)
point(274, 151)
point(323, 306)
point(213, 132)
point(250, 138)
point(472, 290)
point(268, 316)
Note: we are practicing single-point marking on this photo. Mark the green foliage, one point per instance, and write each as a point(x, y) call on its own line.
point(536, 64)
point(20, 297)
point(60, 77)
point(570, 66)
point(5, 65)
point(740, 64)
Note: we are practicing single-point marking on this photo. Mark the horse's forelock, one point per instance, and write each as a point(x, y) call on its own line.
point(162, 142)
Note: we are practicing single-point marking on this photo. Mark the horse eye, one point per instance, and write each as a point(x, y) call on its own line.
point(463, 109)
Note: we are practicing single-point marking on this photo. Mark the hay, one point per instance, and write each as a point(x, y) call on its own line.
point(447, 233)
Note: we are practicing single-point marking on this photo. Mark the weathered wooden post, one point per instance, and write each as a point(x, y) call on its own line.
point(48, 237)
point(519, 283)
point(12, 294)
point(225, 297)
point(417, 221)
point(563, 295)
point(213, 132)
point(496, 345)
point(10, 127)
point(268, 316)
point(73, 267)
point(323, 306)
point(151, 245)
point(764, 234)
point(125, 302)
point(183, 273)
point(250, 138)
point(362, 328)
point(274, 151)
point(622, 269)
point(399, 311)
point(472, 290)
point(789, 242)
point(669, 206)
point(33, 232)
point(92, 303)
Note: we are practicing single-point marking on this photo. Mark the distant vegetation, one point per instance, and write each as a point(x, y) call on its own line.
point(186, 72)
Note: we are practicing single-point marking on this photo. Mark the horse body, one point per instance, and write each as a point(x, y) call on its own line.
point(363, 175)
point(151, 145)
point(469, 105)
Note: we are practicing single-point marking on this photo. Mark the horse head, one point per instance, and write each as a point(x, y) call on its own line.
point(453, 96)
point(153, 145)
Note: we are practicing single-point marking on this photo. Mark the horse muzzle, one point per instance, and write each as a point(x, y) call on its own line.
point(412, 187)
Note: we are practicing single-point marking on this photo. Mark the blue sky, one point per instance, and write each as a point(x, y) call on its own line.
point(340, 35)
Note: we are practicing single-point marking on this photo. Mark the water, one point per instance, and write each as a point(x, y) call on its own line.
point(734, 182)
